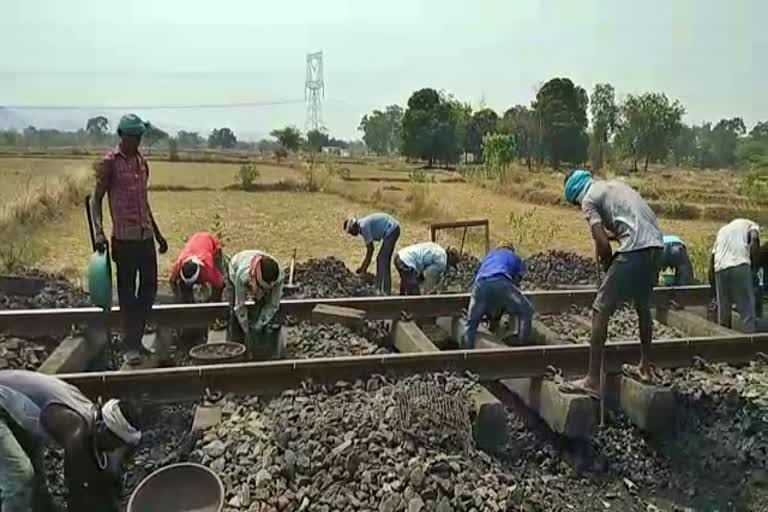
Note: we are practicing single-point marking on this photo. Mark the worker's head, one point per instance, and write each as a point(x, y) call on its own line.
point(190, 270)
point(130, 130)
point(576, 184)
point(351, 226)
point(264, 274)
point(118, 426)
point(507, 245)
point(454, 257)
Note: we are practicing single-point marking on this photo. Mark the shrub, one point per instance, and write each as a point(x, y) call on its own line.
point(247, 175)
point(418, 176)
point(529, 233)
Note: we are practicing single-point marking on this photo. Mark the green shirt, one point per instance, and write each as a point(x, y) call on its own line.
point(239, 273)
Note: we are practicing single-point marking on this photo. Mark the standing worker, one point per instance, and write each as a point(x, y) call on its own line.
point(496, 292)
point(675, 256)
point(38, 409)
point(425, 262)
point(631, 273)
point(377, 227)
point(257, 274)
point(201, 262)
point(123, 175)
point(735, 258)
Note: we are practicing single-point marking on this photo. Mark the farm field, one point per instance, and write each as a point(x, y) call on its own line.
point(192, 196)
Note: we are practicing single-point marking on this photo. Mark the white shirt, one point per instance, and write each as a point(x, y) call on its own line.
point(731, 247)
point(427, 259)
point(622, 211)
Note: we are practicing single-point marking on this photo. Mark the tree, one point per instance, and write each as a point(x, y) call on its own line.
point(724, 140)
point(381, 130)
point(760, 131)
point(604, 119)
point(289, 138)
point(97, 126)
point(753, 153)
point(316, 139)
point(222, 138)
point(482, 123)
point(267, 146)
point(189, 140)
point(561, 108)
point(684, 148)
point(152, 135)
point(648, 124)
point(521, 123)
point(173, 150)
point(429, 128)
point(499, 150)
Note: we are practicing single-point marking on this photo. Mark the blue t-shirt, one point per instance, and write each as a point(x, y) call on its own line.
point(501, 263)
point(672, 239)
point(374, 227)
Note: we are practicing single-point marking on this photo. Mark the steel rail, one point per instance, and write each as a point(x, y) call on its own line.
point(376, 308)
point(163, 385)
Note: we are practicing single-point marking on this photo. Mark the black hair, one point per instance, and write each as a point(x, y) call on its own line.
point(269, 270)
point(453, 257)
point(188, 269)
point(131, 413)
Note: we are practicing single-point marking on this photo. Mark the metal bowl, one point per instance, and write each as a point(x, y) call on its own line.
point(215, 353)
point(181, 487)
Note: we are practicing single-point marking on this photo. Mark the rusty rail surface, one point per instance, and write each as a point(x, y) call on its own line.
point(163, 385)
point(376, 308)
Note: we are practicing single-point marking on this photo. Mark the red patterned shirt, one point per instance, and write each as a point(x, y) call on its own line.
point(125, 179)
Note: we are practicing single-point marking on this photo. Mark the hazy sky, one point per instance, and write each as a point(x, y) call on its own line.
point(709, 54)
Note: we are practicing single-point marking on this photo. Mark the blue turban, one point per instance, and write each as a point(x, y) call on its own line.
point(131, 124)
point(576, 185)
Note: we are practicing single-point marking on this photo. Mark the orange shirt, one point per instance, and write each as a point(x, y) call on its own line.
point(207, 248)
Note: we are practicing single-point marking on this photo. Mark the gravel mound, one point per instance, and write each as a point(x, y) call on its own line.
point(459, 279)
point(307, 340)
point(21, 354)
point(324, 278)
point(575, 326)
point(57, 293)
point(552, 269)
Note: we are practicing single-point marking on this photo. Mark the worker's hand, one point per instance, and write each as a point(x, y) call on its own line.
point(162, 244)
point(100, 242)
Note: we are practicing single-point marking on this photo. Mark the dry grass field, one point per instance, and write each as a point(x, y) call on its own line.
point(187, 197)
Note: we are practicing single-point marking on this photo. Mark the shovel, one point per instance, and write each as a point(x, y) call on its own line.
point(291, 286)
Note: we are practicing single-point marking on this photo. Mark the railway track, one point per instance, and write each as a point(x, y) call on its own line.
point(172, 384)
point(376, 308)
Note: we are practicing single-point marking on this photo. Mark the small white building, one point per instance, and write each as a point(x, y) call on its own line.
point(334, 150)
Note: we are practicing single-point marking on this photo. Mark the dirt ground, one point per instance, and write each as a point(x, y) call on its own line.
point(188, 196)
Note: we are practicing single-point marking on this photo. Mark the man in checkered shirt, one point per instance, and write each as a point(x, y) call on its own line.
point(123, 175)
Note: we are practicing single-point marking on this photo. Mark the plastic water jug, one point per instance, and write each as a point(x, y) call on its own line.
point(100, 280)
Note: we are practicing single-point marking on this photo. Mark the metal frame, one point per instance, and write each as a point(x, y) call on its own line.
point(434, 228)
point(172, 384)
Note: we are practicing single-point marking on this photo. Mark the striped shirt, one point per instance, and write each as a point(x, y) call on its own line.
point(125, 179)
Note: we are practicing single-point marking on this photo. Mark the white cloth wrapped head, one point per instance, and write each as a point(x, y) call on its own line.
point(190, 280)
point(117, 424)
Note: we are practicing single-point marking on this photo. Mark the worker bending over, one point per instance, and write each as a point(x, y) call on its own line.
point(631, 273)
point(735, 257)
point(423, 263)
point(123, 175)
point(255, 274)
point(200, 263)
point(675, 256)
point(496, 292)
point(38, 409)
point(377, 227)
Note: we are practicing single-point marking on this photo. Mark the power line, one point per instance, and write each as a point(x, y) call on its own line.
point(246, 104)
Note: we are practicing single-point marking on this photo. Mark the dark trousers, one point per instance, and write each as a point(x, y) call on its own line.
point(384, 262)
point(409, 278)
point(135, 259)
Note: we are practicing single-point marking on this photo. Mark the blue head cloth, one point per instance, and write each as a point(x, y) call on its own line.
point(576, 185)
